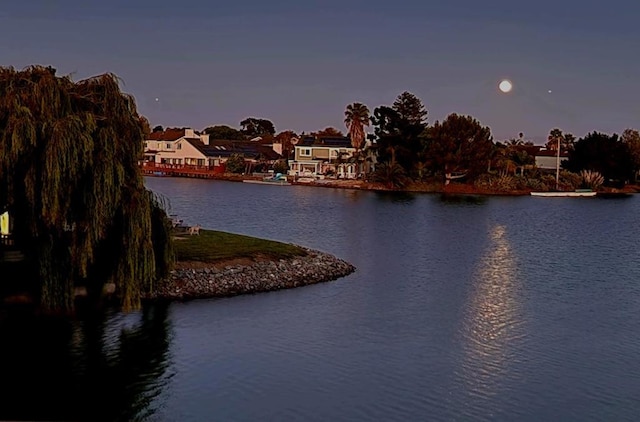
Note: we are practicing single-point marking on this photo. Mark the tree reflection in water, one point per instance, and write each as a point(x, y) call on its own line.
point(97, 367)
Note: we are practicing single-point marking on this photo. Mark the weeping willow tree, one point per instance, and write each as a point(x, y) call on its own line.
point(69, 176)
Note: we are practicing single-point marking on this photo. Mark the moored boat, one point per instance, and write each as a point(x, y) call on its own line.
point(269, 182)
point(278, 179)
point(585, 193)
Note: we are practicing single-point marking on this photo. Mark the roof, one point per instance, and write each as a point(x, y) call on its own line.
point(226, 148)
point(167, 135)
point(550, 153)
point(333, 142)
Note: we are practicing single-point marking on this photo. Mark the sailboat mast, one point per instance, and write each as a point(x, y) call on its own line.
point(558, 165)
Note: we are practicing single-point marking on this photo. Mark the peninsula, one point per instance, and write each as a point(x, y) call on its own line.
point(219, 264)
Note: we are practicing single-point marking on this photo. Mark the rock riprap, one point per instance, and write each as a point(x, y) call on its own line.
point(220, 281)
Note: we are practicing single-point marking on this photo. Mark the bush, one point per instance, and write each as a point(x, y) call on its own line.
point(503, 183)
point(391, 174)
point(591, 179)
point(235, 164)
point(281, 166)
point(569, 180)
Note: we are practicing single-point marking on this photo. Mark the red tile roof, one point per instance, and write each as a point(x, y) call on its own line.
point(167, 135)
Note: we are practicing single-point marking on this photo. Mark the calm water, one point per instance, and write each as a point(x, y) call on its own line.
point(507, 309)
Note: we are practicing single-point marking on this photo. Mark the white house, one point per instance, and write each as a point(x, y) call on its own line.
point(176, 146)
point(547, 159)
point(184, 147)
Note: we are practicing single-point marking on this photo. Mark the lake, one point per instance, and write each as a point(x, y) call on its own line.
point(461, 309)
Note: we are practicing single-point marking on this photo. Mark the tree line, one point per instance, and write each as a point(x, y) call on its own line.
point(406, 148)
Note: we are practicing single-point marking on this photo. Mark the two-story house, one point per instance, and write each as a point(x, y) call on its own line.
point(176, 146)
point(185, 147)
point(320, 157)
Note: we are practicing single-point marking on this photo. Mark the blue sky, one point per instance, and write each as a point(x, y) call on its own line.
point(300, 63)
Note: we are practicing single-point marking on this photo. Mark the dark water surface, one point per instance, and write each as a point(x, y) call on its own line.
point(461, 309)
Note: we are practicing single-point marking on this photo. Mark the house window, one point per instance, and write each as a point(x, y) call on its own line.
point(180, 146)
point(168, 145)
point(306, 152)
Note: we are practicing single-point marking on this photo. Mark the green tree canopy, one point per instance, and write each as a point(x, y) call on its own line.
point(328, 132)
point(69, 176)
point(287, 138)
point(253, 127)
point(224, 132)
point(410, 109)
point(631, 137)
point(606, 154)
point(458, 144)
point(398, 130)
point(235, 164)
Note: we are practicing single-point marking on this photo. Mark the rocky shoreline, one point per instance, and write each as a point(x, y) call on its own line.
point(220, 280)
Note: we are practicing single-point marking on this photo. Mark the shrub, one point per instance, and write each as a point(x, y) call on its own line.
point(391, 174)
point(281, 166)
point(591, 179)
point(235, 164)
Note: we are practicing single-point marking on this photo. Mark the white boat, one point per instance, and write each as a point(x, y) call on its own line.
point(278, 179)
point(269, 182)
point(578, 193)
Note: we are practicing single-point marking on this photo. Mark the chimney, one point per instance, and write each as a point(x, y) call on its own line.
point(205, 138)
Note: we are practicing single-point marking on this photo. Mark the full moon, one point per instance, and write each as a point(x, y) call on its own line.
point(505, 86)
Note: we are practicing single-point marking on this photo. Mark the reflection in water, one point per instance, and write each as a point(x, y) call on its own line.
point(492, 322)
point(97, 368)
point(396, 197)
point(463, 199)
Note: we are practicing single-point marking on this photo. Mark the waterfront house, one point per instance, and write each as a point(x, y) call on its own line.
point(324, 157)
point(176, 147)
point(185, 148)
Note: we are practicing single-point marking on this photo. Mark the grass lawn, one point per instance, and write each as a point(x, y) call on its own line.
point(213, 246)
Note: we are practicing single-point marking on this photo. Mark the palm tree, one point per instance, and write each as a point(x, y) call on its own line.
point(390, 172)
point(356, 117)
point(555, 140)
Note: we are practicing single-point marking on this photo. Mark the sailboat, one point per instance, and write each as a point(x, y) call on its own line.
point(558, 193)
point(576, 193)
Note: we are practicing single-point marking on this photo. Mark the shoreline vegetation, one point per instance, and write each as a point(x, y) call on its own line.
point(220, 264)
point(395, 148)
point(434, 186)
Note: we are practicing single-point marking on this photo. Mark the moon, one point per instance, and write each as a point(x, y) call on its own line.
point(157, 99)
point(505, 86)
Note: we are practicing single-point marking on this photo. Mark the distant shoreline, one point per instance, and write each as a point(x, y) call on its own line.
point(454, 188)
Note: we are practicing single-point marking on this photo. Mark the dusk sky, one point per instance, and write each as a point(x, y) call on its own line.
point(300, 63)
